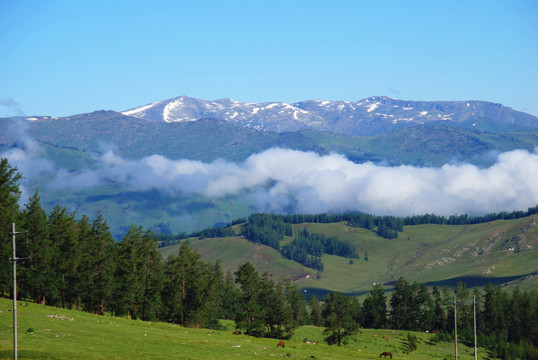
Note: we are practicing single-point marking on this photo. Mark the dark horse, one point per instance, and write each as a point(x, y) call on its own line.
point(385, 354)
point(281, 344)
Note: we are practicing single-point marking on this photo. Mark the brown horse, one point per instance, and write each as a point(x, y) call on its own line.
point(281, 344)
point(385, 354)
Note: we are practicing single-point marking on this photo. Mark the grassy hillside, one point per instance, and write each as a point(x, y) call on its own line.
point(502, 252)
point(52, 333)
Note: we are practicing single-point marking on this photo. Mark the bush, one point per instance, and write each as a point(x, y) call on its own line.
point(412, 342)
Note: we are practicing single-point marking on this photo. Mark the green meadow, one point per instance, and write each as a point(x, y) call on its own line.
point(439, 255)
point(53, 333)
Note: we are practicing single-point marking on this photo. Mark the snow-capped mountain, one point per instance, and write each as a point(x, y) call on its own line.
point(369, 116)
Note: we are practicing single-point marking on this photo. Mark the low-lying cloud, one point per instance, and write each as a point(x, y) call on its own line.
point(281, 180)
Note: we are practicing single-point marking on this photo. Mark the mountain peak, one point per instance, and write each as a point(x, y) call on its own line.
point(369, 116)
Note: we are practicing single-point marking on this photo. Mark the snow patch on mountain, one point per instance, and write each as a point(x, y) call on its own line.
point(372, 107)
point(135, 111)
point(171, 107)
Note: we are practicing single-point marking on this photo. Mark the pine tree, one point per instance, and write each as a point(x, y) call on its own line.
point(494, 314)
point(187, 287)
point(423, 308)
point(97, 266)
point(269, 305)
point(10, 193)
point(284, 308)
point(297, 303)
point(249, 316)
point(440, 316)
point(36, 270)
point(152, 277)
point(212, 308)
point(339, 321)
point(374, 309)
point(464, 307)
point(86, 268)
point(138, 275)
point(230, 297)
point(65, 257)
point(402, 312)
point(315, 311)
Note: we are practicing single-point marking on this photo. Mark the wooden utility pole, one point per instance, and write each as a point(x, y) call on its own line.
point(14, 259)
point(455, 329)
point(474, 326)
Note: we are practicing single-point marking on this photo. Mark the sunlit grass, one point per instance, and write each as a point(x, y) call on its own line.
point(51, 333)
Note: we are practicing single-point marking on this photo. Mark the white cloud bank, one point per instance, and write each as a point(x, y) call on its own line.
point(281, 180)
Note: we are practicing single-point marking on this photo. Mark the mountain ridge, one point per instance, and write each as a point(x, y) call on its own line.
point(371, 116)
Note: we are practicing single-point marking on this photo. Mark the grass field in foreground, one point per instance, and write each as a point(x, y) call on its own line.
point(51, 333)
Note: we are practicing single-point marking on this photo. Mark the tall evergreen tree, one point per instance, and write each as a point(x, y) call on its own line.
point(65, 257)
point(374, 309)
point(402, 314)
point(440, 321)
point(285, 310)
point(187, 290)
point(36, 269)
point(212, 309)
point(138, 275)
point(422, 307)
point(153, 272)
point(230, 297)
point(464, 307)
point(10, 194)
point(297, 304)
point(315, 311)
point(268, 302)
point(494, 313)
point(250, 314)
point(339, 322)
point(97, 266)
point(86, 268)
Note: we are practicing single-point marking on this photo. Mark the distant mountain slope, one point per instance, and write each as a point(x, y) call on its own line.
point(374, 115)
point(211, 139)
point(503, 252)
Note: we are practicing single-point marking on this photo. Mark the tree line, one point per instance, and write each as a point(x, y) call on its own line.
point(389, 226)
point(276, 226)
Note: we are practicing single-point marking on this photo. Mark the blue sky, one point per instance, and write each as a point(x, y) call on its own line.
point(65, 57)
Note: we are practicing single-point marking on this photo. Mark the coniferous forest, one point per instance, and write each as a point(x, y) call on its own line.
point(75, 263)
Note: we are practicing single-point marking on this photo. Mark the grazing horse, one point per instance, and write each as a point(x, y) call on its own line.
point(281, 344)
point(237, 332)
point(385, 354)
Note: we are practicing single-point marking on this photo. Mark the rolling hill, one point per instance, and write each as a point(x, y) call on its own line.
point(503, 252)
